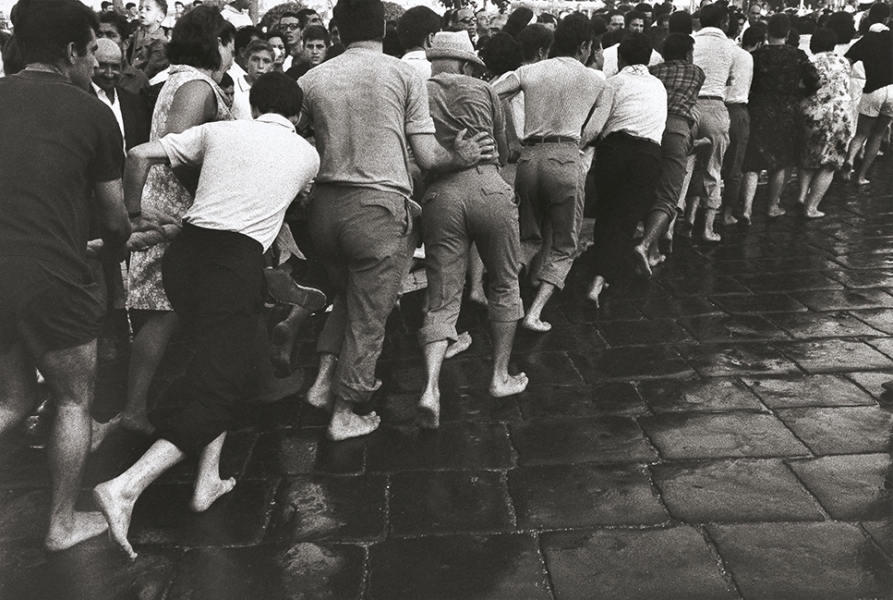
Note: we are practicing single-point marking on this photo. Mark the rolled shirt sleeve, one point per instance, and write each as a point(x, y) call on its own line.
point(186, 148)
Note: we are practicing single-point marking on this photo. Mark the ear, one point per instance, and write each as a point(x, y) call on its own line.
point(429, 41)
point(71, 53)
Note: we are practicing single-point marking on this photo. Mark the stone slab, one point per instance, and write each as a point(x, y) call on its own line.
point(697, 395)
point(567, 441)
point(845, 430)
point(809, 390)
point(851, 488)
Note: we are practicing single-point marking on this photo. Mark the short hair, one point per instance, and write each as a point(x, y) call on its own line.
point(632, 16)
point(415, 25)
point(518, 20)
point(612, 38)
point(534, 38)
point(316, 32)
point(501, 53)
point(245, 35)
point(806, 25)
point(117, 21)
point(547, 18)
point(779, 26)
point(843, 26)
point(360, 20)
point(614, 13)
point(259, 45)
point(635, 49)
point(226, 81)
point(573, 31)
point(44, 28)
point(677, 46)
point(390, 45)
point(680, 22)
point(599, 26)
point(644, 7)
point(130, 5)
point(104, 5)
point(276, 33)
point(823, 40)
point(664, 8)
point(194, 38)
point(162, 6)
point(713, 15)
point(304, 16)
point(753, 35)
point(276, 93)
point(292, 14)
point(878, 13)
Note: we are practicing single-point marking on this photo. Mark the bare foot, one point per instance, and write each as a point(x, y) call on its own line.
point(775, 211)
point(207, 492)
point(728, 219)
point(429, 410)
point(346, 425)
point(862, 182)
point(320, 394)
point(641, 262)
point(846, 172)
point(84, 525)
point(98, 431)
point(117, 509)
point(595, 290)
point(477, 294)
point(711, 236)
point(535, 324)
point(509, 386)
point(655, 259)
point(814, 214)
point(460, 345)
point(745, 219)
point(137, 423)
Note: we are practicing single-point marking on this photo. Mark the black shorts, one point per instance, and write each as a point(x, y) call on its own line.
point(46, 307)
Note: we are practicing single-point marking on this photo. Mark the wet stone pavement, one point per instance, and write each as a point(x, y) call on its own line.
point(719, 432)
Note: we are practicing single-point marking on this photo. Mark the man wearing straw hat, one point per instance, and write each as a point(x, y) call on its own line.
point(467, 205)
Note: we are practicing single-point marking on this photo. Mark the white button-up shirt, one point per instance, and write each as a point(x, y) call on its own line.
point(714, 52)
point(742, 76)
point(115, 105)
point(638, 104)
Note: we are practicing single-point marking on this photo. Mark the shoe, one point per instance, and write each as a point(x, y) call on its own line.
point(282, 288)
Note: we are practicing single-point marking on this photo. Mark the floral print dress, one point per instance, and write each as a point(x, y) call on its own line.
point(828, 123)
point(165, 194)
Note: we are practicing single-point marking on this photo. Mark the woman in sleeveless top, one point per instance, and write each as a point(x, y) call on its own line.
point(200, 51)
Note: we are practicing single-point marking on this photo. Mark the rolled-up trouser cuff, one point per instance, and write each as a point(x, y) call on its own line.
point(436, 332)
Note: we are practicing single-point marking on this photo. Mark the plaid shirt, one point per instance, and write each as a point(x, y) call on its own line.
point(683, 81)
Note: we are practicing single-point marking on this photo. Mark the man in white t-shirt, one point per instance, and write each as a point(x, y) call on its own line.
point(415, 30)
point(251, 171)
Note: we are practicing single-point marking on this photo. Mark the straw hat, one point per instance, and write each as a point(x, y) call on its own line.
point(454, 45)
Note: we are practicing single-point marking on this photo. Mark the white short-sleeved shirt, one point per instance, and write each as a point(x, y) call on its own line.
point(639, 104)
point(611, 65)
point(250, 172)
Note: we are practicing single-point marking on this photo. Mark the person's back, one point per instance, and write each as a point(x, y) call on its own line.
point(460, 102)
point(57, 140)
point(875, 51)
point(250, 172)
point(558, 95)
point(363, 105)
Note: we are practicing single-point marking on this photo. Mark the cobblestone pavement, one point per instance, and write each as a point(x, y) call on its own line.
point(719, 432)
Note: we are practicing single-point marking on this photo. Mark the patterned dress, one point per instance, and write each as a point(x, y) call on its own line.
point(774, 107)
point(165, 194)
point(828, 123)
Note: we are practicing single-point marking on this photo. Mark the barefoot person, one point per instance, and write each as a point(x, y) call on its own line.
point(559, 94)
point(471, 205)
point(60, 167)
point(361, 215)
point(213, 274)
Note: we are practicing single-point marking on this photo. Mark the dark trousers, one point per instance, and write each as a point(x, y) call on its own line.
point(214, 280)
point(626, 170)
point(739, 133)
point(675, 147)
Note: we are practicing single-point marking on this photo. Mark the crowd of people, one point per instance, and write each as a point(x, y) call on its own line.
point(228, 165)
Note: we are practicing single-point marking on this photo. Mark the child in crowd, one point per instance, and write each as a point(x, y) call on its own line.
point(259, 59)
point(149, 40)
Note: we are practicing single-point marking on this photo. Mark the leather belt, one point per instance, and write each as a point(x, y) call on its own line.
point(711, 98)
point(549, 139)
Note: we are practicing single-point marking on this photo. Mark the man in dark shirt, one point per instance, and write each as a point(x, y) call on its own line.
point(61, 149)
point(875, 50)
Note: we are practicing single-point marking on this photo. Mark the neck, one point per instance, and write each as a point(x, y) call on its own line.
point(46, 68)
point(368, 45)
point(416, 49)
point(153, 27)
point(776, 41)
point(453, 67)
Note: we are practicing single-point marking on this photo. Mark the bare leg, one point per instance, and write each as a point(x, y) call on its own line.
point(872, 147)
point(429, 403)
point(708, 235)
point(271, 388)
point(776, 186)
point(532, 320)
point(148, 350)
point(476, 275)
point(749, 182)
point(820, 183)
point(863, 129)
point(282, 340)
point(320, 393)
point(117, 497)
point(208, 485)
point(596, 288)
point(71, 375)
point(346, 424)
point(806, 177)
point(18, 385)
point(460, 345)
point(503, 384)
point(691, 214)
point(647, 252)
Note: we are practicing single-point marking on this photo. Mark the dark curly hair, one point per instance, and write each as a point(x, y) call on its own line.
point(44, 28)
point(194, 40)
